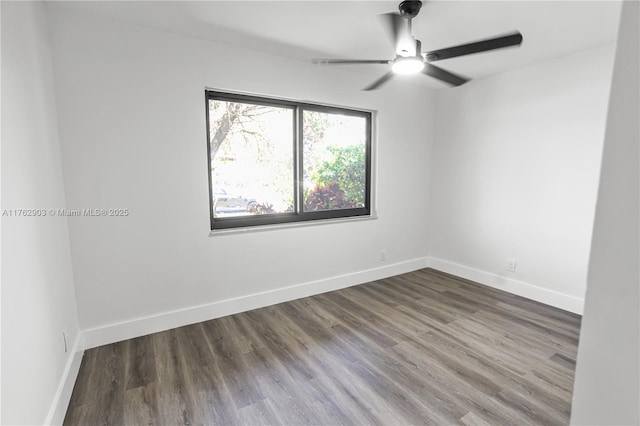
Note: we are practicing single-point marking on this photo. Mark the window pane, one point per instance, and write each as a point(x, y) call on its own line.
point(334, 161)
point(251, 149)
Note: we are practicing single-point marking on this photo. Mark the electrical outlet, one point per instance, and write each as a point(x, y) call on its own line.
point(383, 255)
point(511, 265)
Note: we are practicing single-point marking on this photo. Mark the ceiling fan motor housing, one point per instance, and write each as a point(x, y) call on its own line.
point(410, 8)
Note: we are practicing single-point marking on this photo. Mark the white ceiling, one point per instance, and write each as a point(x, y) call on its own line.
point(352, 29)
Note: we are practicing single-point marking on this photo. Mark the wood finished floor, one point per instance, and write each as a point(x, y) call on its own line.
point(419, 348)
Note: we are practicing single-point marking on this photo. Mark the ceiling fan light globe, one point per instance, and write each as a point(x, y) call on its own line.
point(411, 65)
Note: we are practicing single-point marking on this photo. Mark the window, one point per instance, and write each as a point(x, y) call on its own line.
point(274, 161)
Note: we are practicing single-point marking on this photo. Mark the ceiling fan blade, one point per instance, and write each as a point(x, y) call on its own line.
point(514, 39)
point(349, 61)
point(379, 82)
point(399, 29)
point(446, 76)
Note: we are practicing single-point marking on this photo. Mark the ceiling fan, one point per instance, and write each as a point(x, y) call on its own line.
point(409, 58)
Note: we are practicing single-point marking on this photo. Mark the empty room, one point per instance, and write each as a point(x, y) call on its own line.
point(320, 212)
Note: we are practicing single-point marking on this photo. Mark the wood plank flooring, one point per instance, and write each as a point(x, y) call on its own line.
point(419, 348)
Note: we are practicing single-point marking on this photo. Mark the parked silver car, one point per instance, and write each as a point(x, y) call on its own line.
point(227, 203)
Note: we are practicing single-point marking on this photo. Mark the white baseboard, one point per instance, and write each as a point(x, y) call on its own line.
point(178, 318)
point(530, 291)
point(167, 320)
point(62, 397)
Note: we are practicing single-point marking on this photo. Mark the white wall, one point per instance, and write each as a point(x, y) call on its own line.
point(606, 390)
point(516, 176)
point(131, 108)
point(38, 299)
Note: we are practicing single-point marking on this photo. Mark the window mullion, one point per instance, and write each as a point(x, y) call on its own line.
point(299, 160)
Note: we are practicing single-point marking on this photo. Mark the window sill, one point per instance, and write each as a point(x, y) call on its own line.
point(265, 228)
